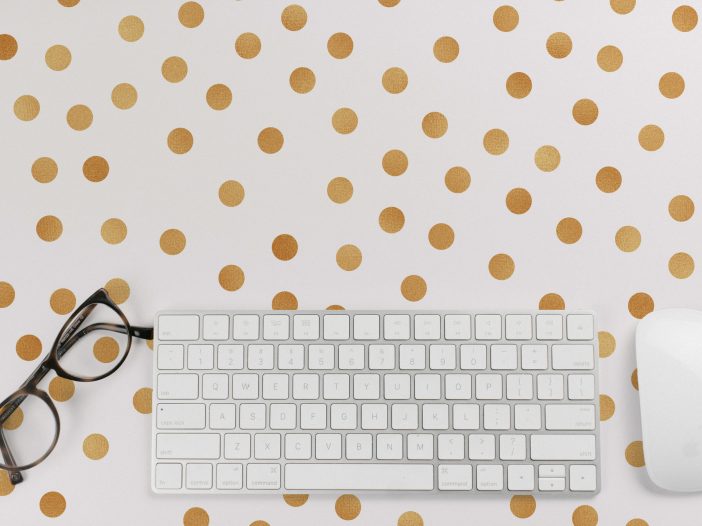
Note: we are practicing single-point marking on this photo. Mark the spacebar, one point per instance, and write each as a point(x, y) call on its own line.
point(360, 476)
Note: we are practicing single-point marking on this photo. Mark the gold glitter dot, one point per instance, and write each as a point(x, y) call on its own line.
point(395, 162)
point(49, 228)
point(640, 304)
point(302, 80)
point(191, 14)
point(518, 85)
point(79, 117)
point(172, 241)
point(552, 301)
point(6, 487)
point(410, 518)
point(348, 507)
point(28, 347)
point(501, 266)
point(62, 301)
point(8, 47)
point(196, 517)
point(634, 454)
point(681, 265)
point(434, 124)
point(391, 220)
point(270, 140)
point(610, 58)
point(681, 208)
point(68, 3)
point(124, 96)
point(174, 69)
point(637, 522)
point(559, 45)
point(44, 170)
point(335, 307)
point(518, 201)
point(131, 28)
point(608, 179)
point(142, 400)
point(61, 389)
point(26, 108)
point(651, 137)
point(608, 343)
point(635, 379)
point(627, 238)
point(118, 290)
point(340, 190)
point(388, 3)
point(349, 257)
point(295, 500)
point(395, 80)
point(14, 420)
point(294, 17)
point(340, 45)
point(522, 506)
point(106, 349)
point(413, 288)
point(496, 141)
point(685, 18)
point(7, 294)
point(585, 516)
point(95, 168)
point(231, 193)
point(585, 112)
point(446, 49)
point(622, 7)
point(52, 504)
point(284, 247)
point(57, 57)
point(231, 278)
point(505, 18)
point(95, 446)
point(441, 236)
point(113, 231)
point(219, 97)
point(284, 300)
point(606, 407)
point(180, 140)
point(547, 158)
point(247, 45)
point(457, 179)
point(671, 85)
point(344, 120)
point(569, 230)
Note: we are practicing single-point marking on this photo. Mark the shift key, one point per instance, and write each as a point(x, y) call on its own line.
point(187, 445)
point(563, 447)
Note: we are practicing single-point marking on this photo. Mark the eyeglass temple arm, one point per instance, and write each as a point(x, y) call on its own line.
point(145, 333)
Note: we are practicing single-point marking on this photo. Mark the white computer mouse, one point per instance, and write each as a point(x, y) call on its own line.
point(669, 361)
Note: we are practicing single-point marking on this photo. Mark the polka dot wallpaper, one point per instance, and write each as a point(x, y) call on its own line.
point(378, 153)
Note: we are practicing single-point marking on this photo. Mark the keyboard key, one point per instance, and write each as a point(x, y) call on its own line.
point(457, 327)
point(177, 386)
point(374, 416)
point(260, 356)
point(549, 327)
point(534, 357)
point(451, 447)
point(481, 447)
point(457, 387)
point(551, 484)
point(215, 327)
point(252, 416)
point(215, 386)
point(187, 445)
point(359, 446)
point(573, 356)
point(513, 447)
point(581, 387)
point(405, 416)
point(336, 327)
point(245, 386)
point(276, 327)
point(442, 357)
point(413, 357)
point(454, 477)
point(200, 357)
point(552, 470)
point(397, 386)
point(343, 416)
point(563, 447)
point(518, 326)
point(266, 446)
point(466, 416)
point(520, 387)
point(503, 357)
point(169, 476)
point(527, 416)
point(198, 476)
point(366, 386)
point(381, 357)
point(366, 326)
point(489, 477)
point(374, 476)
point(306, 327)
point(488, 327)
point(321, 357)
point(520, 477)
point(305, 386)
point(420, 447)
point(488, 386)
point(427, 386)
point(388, 446)
point(496, 416)
point(580, 327)
point(230, 476)
point(263, 476)
point(178, 327)
point(570, 417)
point(396, 326)
point(237, 446)
point(245, 327)
point(583, 477)
point(435, 416)
point(275, 387)
point(230, 357)
point(180, 416)
point(337, 386)
point(327, 446)
point(473, 357)
point(427, 327)
point(283, 416)
point(170, 357)
point(313, 416)
point(222, 416)
point(351, 357)
point(298, 446)
point(291, 357)
point(549, 386)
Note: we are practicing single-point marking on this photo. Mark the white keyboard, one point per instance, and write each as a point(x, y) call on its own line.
point(328, 401)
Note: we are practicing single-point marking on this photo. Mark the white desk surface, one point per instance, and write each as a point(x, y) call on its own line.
point(151, 189)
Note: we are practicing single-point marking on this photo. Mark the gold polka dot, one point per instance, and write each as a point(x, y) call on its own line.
point(640, 304)
point(113, 231)
point(172, 241)
point(681, 208)
point(8, 47)
point(457, 179)
point(270, 140)
point(106, 349)
point(339, 190)
point(606, 407)
point(174, 69)
point(294, 17)
point(522, 506)
point(585, 112)
point(62, 301)
point(651, 137)
point(7, 294)
point(547, 158)
point(559, 45)
point(685, 18)
point(259, 523)
point(142, 400)
point(622, 7)
point(681, 265)
point(395, 80)
point(44, 170)
point(180, 140)
point(52, 504)
point(231, 193)
point(391, 220)
point(196, 517)
point(496, 141)
point(284, 300)
point(49, 228)
point(344, 120)
point(131, 28)
point(348, 507)
point(6, 487)
point(295, 500)
point(191, 14)
point(446, 49)
point(634, 454)
point(28, 347)
point(335, 307)
point(413, 288)
point(124, 96)
point(95, 168)
point(635, 379)
point(58, 57)
point(61, 389)
point(231, 278)
point(585, 516)
point(610, 58)
point(219, 97)
point(26, 108)
point(671, 85)
point(68, 3)
point(608, 343)
point(608, 179)
point(637, 522)
point(395, 162)
point(284, 247)
point(349, 257)
point(501, 266)
point(14, 420)
point(552, 301)
point(518, 201)
point(434, 124)
point(247, 45)
point(79, 117)
point(410, 518)
point(569, 230)
point(518, 85)
point(340, 45)
point(627, 238)
point(505, 18)
point(388, 3)
point(95, 446)
point(441, 236)
point(302, 80)
point(118, 290)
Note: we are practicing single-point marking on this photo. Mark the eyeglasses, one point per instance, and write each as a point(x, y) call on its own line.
point(99, 338)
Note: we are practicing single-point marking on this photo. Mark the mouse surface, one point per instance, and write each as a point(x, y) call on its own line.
point(669, 360)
